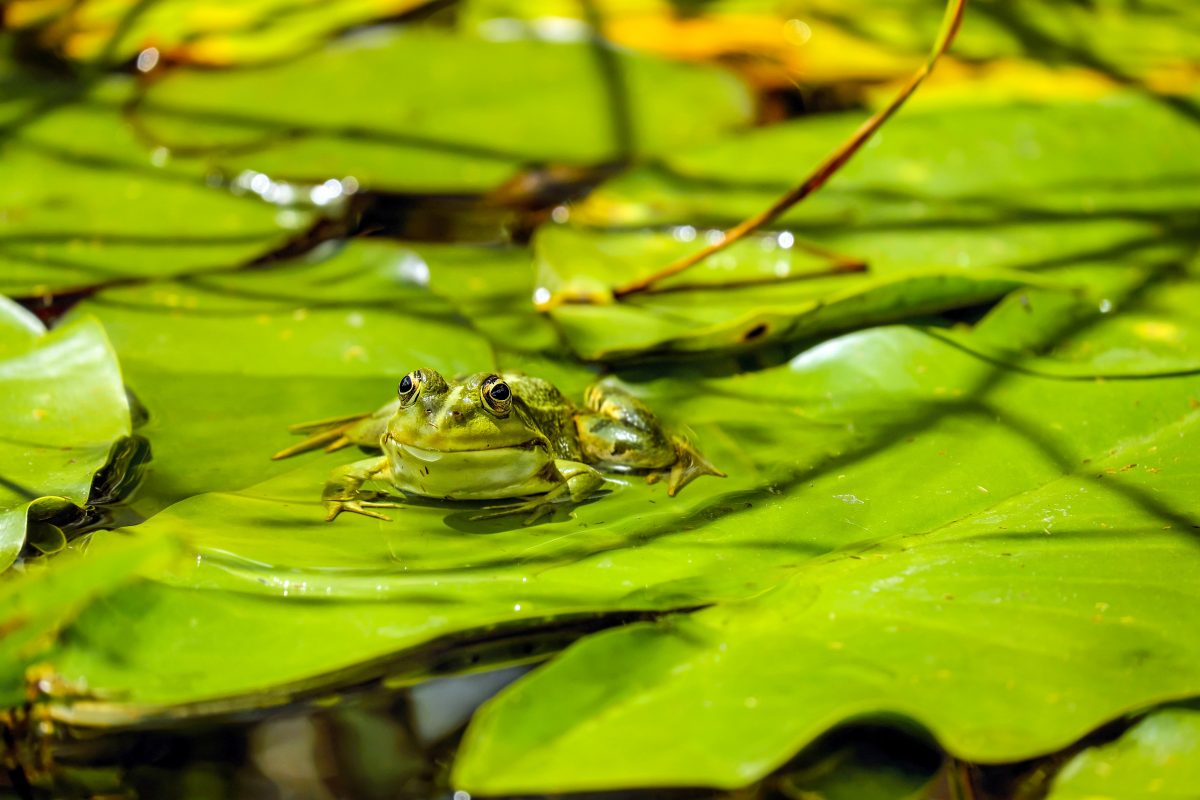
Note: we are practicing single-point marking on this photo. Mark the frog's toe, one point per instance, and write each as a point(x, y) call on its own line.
point(536, 509)
point(537, 512)
point(331, 434)
point(336, 507)
point(498, 511)
point(689, 465)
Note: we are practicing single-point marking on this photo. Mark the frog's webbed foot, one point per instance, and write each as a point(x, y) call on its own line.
point(335, 433)
point(689, 465)
point(535, 508)
point(327, 433)
point(579, 482)
point(360, 504)
point(343, 491)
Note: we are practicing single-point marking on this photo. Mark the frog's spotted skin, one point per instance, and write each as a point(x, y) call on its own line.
point(493, 436)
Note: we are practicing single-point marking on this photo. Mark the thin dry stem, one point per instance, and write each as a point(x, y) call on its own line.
point(823, 172)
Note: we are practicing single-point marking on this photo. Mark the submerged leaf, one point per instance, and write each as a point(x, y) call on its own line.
point(35, 606)
point(1157, 757)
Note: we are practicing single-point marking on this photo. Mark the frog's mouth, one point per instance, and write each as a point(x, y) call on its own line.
point(423, 454)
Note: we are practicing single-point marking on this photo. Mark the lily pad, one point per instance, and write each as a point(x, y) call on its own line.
point(223, 364)
point(948, 195)
point(1157, 757)
point(1154, 334)
point(1008, 633)
point(818, 453)
point(492, 289)
point(79, 211)
point(479, 112)
point(754, 293)
point(64, 409)
point(35, 606)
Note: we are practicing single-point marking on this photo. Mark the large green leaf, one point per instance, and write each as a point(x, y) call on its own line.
point(1008, 632)
point(1029, 167)
point(223, 364)
point(492, 288)
point(84, 204)
point(743, 298)
point(262, 612)
point(935, 205)
point(478, 112)
point(36, 605)
point(1157, 757)
point(64, 408)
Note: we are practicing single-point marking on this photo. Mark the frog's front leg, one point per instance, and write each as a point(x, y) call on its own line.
point(343, 490)
point(621, 431)
point(579, 482)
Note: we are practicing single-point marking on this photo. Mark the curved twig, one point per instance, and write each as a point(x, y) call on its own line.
point(826, 170)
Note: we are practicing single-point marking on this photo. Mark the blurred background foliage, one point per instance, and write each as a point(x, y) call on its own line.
point(955, 392)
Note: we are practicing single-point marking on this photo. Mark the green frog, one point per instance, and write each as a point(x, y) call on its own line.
point(492, 436)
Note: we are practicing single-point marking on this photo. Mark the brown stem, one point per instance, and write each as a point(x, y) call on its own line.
point(826, 170)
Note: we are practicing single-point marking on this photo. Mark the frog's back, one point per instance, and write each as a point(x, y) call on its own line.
point(548, 410)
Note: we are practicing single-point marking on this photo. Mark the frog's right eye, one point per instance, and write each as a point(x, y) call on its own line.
point(409, 387)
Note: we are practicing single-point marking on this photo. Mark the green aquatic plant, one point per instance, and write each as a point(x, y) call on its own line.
point(954, 392)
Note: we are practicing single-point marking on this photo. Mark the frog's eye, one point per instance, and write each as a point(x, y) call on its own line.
point(497, 396)
point(409, 387)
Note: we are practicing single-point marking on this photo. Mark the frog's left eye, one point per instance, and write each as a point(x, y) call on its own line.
point(497, 395)
point(409, 388)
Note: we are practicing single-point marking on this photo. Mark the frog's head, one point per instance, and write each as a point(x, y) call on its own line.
point(464, 439)
point(474, 413)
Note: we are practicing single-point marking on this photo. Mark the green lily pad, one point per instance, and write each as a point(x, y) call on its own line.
point(20, 330)
point(79, 211)
point(64, 409)
point(1157, 757)
point(943, 195)
point(223, 364)
point(1155, 332)
point(492, 289)
point(479, 112)
point(1008, 632)
point(741, 299)
point(818, 454)
point(35, 606)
